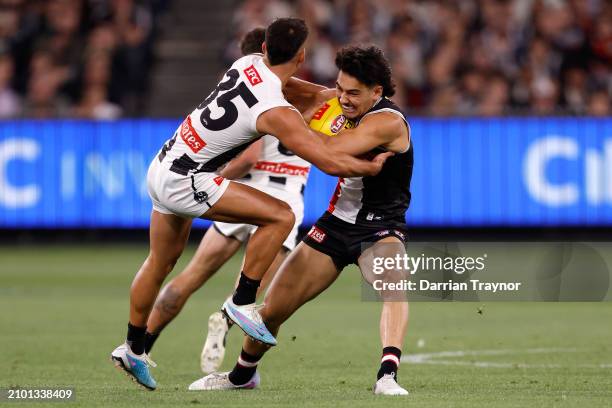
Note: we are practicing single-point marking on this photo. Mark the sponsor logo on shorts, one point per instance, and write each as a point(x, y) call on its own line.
point(399, 234)
point(371, 216)
point(387, 232)
point(190, 136)
point(319, 114)
point(316, 234)
point(337, 124)
point(252, 75)
point(383, 233)
point(218, 180)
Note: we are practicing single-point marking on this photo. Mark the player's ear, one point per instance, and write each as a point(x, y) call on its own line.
point(301, 56)
point(264, 49)
point(378, 91)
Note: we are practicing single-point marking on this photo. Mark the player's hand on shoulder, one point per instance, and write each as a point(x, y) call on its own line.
point(380, 160)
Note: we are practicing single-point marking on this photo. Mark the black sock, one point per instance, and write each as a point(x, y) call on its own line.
point(149, 341)
point(389, 362)
point(246, 291)
point(135, 338)
point(244, 369)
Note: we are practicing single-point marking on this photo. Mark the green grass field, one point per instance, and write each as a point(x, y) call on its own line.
point(64, 309)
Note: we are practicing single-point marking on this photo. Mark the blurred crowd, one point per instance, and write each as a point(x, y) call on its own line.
point(75, 58)
point(464, 57)
point(93, 58)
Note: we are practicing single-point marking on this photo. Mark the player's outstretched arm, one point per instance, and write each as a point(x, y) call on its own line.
point(287, 125)
point(382, 129)
point(242, 164)
point(306, 96)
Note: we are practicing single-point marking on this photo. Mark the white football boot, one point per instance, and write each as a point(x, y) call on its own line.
point(220, 381)
point(214, 347)
point(388, 386)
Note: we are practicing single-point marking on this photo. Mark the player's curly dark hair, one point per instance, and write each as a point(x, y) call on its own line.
point(251, 42)
point(368, 65)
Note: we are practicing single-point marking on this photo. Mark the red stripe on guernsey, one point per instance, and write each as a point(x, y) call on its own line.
point(252, 75)
point(390, 357)
point(336, 196)
point(282, 168)
point(218, 180)
point(190, 136)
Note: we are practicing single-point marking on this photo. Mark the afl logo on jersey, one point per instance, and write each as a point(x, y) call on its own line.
point(337, 123)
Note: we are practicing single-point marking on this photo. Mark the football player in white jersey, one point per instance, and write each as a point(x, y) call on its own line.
point(183, 184)
point(267, 166)
point(365, 219)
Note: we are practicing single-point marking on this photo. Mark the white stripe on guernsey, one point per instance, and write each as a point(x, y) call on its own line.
point(349, 203)
point(245, 363)
point(390, 357)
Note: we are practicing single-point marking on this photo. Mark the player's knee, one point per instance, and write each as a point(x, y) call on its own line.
point(285, 215)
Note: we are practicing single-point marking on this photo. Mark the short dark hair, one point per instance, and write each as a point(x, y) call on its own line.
point(284, 38)
point(251, 42)
point(368, 65)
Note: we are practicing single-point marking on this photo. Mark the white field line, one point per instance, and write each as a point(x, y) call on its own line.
point(441, 358)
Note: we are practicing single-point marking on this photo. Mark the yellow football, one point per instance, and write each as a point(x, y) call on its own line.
point(329, 118)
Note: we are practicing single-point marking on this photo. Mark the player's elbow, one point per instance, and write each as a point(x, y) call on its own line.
point(249, 162)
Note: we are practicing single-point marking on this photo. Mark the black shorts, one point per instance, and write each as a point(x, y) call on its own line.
point(343, 241)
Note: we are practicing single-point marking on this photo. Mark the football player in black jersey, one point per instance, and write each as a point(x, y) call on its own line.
point(365, 218)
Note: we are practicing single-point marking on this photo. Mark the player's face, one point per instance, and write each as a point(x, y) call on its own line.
point(355, 97)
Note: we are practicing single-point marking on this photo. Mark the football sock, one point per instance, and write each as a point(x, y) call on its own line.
point(244, 369)
point(389, 362)
point(149, 341)
point(135, 338)
point(246, 291)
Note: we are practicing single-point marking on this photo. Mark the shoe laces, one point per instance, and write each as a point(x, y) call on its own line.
point(143, 357)
point(147, 359)
point(388, 379)
point(217, 379)
point(253, 312)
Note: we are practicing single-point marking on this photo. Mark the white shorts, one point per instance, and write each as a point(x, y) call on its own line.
point(187, 196)
point(243, 231)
